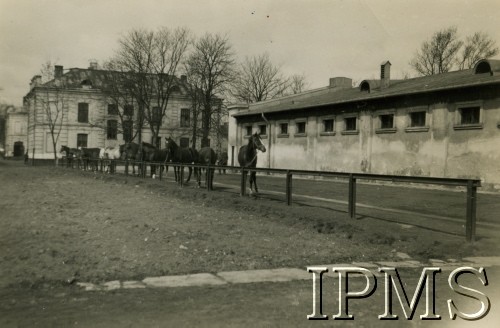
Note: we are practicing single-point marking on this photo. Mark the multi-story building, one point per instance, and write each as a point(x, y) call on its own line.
point(77, 103)
point(445, 125)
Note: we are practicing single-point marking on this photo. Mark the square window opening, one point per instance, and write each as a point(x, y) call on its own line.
point(328, 125)
point(350, 123)
point(386, 121)
point(283, 128)
point(470, 115)
point(417, 119)
point(301, 127)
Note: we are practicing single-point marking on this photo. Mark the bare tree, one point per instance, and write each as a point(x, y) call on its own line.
point(54, 104)
point(297, 84)
point(149, 61)
point(258, 79)
point(437, 55)
point(477, 46)
point(211, 65)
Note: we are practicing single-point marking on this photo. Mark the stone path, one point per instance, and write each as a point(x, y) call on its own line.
point(282, 274)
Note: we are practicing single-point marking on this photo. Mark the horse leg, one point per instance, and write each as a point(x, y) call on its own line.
point(190, 169)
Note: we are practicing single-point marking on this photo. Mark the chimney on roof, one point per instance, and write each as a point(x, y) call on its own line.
point(385, 74)
point(58, 71)
point(339, 83)
point(93, 65)
point(35, 81)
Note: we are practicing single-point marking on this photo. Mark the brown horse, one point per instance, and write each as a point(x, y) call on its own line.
point(130, 151)
point(153, 154)
point(178, 154)
point(206, 156)
point(247, 157)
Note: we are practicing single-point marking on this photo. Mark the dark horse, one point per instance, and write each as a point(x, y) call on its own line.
point(152, 154)
point(206, 156)
point(90, 158)
point(222, 161)
point(71, 153)
point(178, 154)
point(130, 151)
point(247, 157)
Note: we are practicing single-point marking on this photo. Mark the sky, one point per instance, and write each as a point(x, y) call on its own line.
point(318, 38)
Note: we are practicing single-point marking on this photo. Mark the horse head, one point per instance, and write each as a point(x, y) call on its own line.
point(257, 142)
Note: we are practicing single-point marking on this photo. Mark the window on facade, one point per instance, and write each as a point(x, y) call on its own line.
point(83, 112)
point(301, 127)
point(112, 109)
point(328, 125)
point(470, 115)
point(263, 129)
point(417, 119)
point(283, 128)
point(128, 110)
point(81, 140)
point(128, 130)
point(386, 121)
point(156, 115)
point(112, 129)
point(248, 130)
point(185, 117)
point(184, 142)
point(350, 123)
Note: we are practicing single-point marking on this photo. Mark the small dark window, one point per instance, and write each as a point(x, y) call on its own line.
point(301, 127)
point(112, 129)
point(184, 142)
point(283, 128)
point(248, 130)
point(263, 129)
point(387, 121)
point(156, 115)
point(350, 123)
point(470, 115)
point(128, 130)
point(112, 109)
point(328, 125)
point(83, 112)
point(81, 140)
point(417, 119)
point(185, 117)
point(128, 110)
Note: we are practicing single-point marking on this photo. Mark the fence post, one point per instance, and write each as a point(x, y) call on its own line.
point(243, 182)
point(288, 188)
point(470, 225)
point(181, 176)
point(33, 157)
point(352, 196)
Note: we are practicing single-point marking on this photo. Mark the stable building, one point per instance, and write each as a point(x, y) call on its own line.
point(444, 125)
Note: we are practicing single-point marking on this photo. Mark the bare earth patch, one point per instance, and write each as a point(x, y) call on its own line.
point(60, 226)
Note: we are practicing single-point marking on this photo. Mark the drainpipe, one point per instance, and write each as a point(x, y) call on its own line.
point(268, 141)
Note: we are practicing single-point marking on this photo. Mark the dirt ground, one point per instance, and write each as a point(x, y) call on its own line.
point(60, 226)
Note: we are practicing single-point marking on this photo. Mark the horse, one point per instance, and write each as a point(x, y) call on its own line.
point(152, 154)
point(111, 154)
point(206, 156)
point(178, 154)
point(222, 161)
point(130, 151)
point(90, 156)
point(70, 154)
point(247, 157)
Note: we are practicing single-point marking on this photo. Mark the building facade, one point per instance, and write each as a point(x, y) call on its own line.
point(83, 113)
point(15, 128)
point(445, 125)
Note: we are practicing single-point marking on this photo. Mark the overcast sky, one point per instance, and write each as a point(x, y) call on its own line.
point(317, 38)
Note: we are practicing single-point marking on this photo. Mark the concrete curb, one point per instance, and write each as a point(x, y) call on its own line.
point(278, 275)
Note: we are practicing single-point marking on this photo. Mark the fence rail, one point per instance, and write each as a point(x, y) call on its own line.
point(470, 185)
